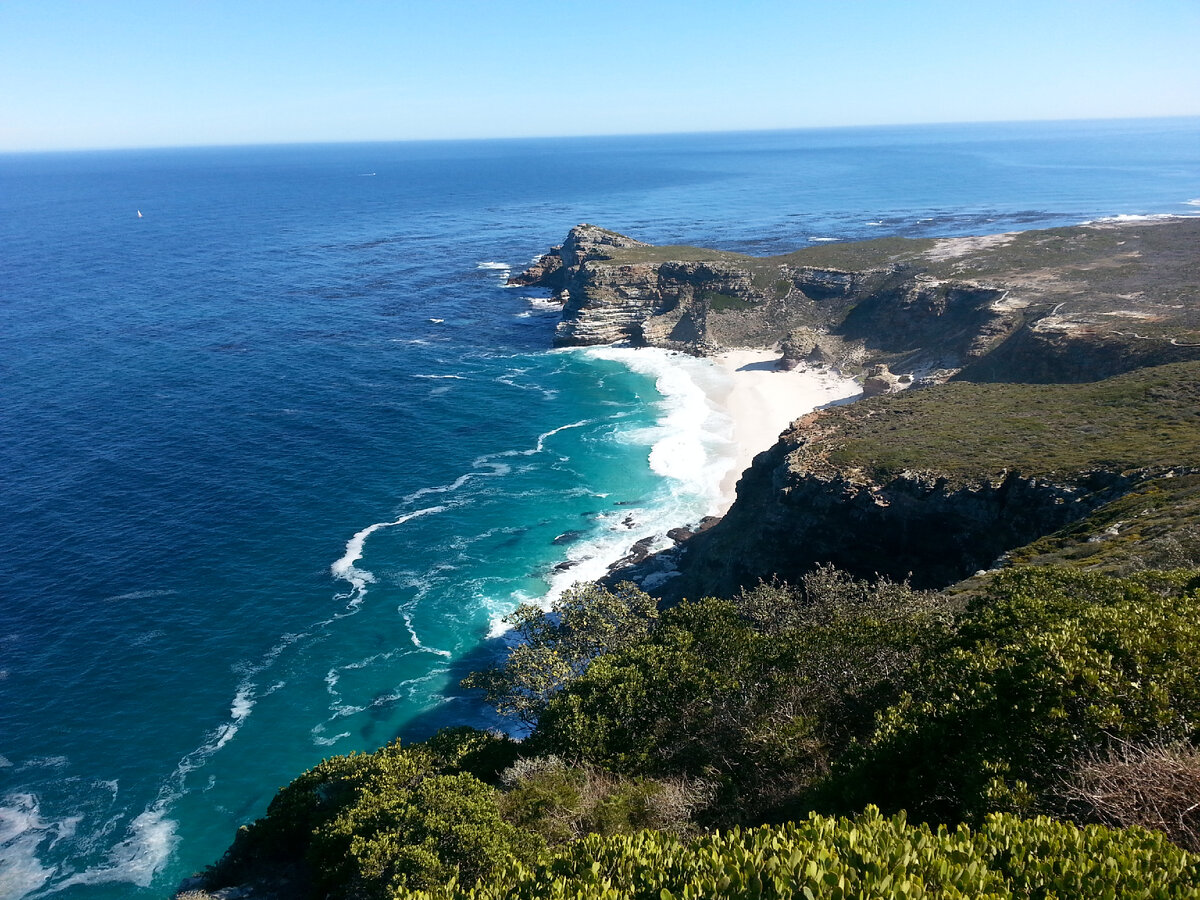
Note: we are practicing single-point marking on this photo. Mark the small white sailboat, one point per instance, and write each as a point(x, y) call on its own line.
point(139, 214)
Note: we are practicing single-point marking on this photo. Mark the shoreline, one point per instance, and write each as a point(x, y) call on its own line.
point(762, 402)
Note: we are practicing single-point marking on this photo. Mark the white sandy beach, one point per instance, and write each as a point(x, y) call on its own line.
point(762, 402)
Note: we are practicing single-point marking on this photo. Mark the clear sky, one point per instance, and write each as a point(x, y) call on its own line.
point(136, 73)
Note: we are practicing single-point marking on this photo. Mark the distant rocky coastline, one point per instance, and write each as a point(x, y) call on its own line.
point(1068, 304)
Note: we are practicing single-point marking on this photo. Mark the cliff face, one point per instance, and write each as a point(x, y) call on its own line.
point(791, 515)
point(935, 484)
point(616, 289)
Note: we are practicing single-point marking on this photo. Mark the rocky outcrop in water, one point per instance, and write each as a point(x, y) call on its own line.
point(615, 289)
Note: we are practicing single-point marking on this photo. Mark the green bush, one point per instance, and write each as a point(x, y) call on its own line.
point(1048, 664)
point(757, 694)
point(395, 835)
point(555, 648)
point(866, 857)
point(652, 707)
point(562, 803)
point(365, 823)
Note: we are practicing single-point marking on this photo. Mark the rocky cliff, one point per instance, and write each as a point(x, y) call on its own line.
point(934, 485)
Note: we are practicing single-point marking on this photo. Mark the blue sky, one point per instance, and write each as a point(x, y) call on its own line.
point(136, 73)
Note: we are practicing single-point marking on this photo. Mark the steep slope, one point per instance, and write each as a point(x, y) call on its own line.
point(935, 484)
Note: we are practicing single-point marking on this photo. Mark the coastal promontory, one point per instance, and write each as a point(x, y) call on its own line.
point(1066, 304)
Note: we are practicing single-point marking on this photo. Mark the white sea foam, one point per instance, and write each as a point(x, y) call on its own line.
point(22, 830)
point(823, 239)
point(319, 738)
point(137, 859)
point(509, 379)
point(344, 568)
point(495, 266)
point(139, 595)
point(1195, 202)
point(149, 840)
point(539, 446)
point(438, 489)
point(46, 762)
point(150, 837)
point(689, 445)
point(1128, 217)
point(404, 690)
point(243, 704)
point(416, 641)
point(455, 377)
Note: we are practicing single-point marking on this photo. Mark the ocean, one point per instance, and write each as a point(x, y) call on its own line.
point(279, 449)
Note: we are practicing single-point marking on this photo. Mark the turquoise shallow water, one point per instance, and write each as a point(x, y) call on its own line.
point(278, 455)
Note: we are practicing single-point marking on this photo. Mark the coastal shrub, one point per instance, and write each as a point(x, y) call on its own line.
point(361, 822)
point(562, 803)
point(670, 705)
point(1046, 665)
point(317, 797)
point(556, 647)
point(484, 754)
point(855, 640)
point(828, 594)
point(759, 710)
point(415, 836)
point(867, 856)
point(719, 302)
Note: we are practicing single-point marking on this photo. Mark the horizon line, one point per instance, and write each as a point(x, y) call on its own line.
point(586, 136)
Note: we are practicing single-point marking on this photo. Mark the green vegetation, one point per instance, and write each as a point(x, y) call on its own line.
point(1146, 418)
point(625, 256)
point(868, 856)
point(718, 302)
point(1156, 525)
point(583, 624)
point(1045, 666)
point(364, 824)
point(754, 695)
point(858, 256)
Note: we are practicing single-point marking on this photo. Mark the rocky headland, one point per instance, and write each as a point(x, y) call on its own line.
point(1067, 304)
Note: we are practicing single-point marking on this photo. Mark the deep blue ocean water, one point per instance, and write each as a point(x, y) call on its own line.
point(277, 455)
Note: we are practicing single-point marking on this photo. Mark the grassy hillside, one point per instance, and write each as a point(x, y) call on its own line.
point(1149, 418)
